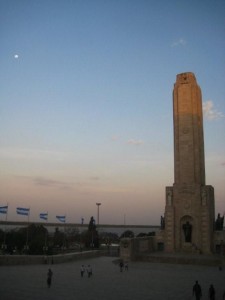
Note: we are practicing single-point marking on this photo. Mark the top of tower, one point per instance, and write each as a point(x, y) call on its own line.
point(184, 78)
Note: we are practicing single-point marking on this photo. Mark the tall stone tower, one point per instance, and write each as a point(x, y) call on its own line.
point(189, 212)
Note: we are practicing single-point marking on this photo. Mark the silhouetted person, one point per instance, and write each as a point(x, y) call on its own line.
point(49, 277)
point(219, 222)
point(89, 271)
point(197, 291)
point(162, 222)
point(82, 269)
point(212, 292)
point(121, 266)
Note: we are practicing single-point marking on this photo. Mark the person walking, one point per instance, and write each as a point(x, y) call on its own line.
point(49, 277)
point(212, 292)
point(89, 271)
point(82, 269)
point(121, 266)
point(197, 290)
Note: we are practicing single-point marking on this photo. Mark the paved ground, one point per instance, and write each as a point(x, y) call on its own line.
point(144, 281)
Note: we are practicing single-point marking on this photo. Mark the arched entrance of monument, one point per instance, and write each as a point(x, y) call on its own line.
point(187, 233)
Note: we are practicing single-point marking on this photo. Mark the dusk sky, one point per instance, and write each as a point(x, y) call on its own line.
point(86, 104)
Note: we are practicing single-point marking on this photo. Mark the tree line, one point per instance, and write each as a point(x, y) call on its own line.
point(36, 240)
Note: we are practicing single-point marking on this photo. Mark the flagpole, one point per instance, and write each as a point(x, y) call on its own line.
point(28, 221)
point(64, 246)
point(4, 246)
point(46, 232)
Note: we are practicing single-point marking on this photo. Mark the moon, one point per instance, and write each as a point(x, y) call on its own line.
point(16, 56)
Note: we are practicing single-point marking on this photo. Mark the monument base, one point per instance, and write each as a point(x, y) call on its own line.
point(151, 249)
point(181, 258)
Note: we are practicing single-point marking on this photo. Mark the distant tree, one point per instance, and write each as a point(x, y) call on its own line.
point(59, 238)
point(108, 238)
point(33, 235)
point(152, 233)
point(15, 241)
point(142, 234)
point(1, 236)
point(84, 239)
point(37, 235)
point(72, 236)
point(127, 234)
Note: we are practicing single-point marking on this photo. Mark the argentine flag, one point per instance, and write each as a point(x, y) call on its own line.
point(44, 216)
point(23, 211)
point(61, 218)
point(3, 209)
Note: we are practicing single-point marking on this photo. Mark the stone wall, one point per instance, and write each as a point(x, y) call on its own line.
point(40, 259)
point(219, 242)
point(133, 248)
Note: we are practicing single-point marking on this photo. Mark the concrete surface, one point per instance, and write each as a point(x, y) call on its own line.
point(144, 281)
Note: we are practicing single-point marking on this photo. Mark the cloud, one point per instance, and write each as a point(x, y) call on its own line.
point(180, 42)
point(49, 182)
point(209, 112)
point(135, 142)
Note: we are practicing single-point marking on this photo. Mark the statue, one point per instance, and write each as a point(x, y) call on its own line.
point(187, 228)
point(169, 197)
point(92, 225)
point(219, 222)
point(162, 222)
point(92, 239)
point(204, 196)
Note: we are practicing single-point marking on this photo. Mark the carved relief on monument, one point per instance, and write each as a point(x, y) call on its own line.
point(169, 196)
point(187, 205)
point(204, 196)
point(185, 130)
point(185, 78)
point(186, 189)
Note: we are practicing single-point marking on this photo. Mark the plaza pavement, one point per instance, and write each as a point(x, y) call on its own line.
point(144, 281)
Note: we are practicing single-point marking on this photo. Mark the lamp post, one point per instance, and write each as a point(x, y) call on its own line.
point(98, 204)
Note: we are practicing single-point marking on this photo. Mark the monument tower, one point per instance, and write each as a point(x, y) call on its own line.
point(189, 212)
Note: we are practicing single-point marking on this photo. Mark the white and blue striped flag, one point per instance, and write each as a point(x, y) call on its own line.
point(3, 209)
point(61, 218)
point(44, 216)
point(23, 211)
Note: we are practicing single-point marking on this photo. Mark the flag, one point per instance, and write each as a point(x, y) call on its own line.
point(61, 218)
point(44, 216)
point(23, 211)
point(3, 209)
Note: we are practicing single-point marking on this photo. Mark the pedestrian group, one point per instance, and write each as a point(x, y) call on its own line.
point(88, 269)
point(197, 292)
